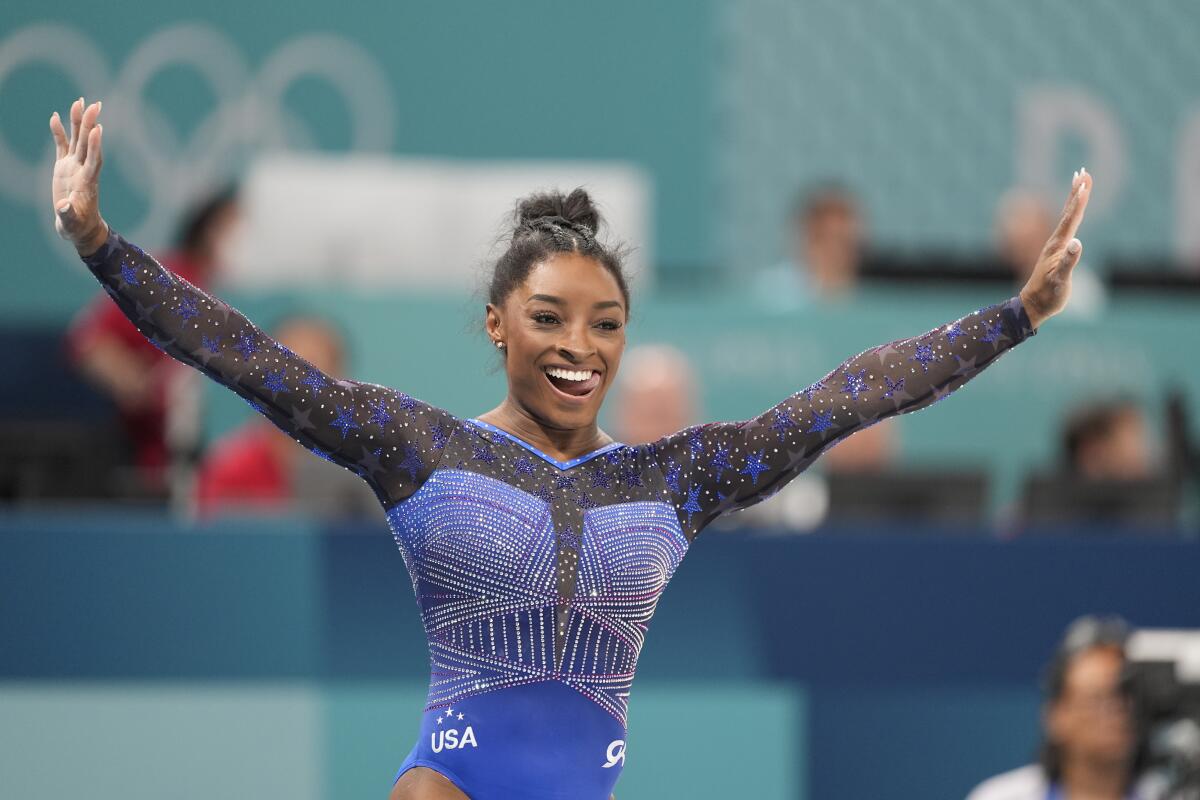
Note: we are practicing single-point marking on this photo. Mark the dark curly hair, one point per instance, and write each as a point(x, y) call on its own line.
point(551, 222)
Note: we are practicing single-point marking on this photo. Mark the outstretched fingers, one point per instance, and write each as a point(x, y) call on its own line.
point(85, 131)
point(1081, 190)
point(61, 145)
point(95, 156)
point(76, 117)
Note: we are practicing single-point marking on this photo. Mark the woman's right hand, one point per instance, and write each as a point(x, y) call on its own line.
point(75, 187)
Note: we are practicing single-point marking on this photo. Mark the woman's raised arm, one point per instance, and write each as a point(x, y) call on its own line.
point(387, 437)
point(723, 466)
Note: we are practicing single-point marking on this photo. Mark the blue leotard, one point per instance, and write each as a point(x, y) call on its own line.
point(536, 579)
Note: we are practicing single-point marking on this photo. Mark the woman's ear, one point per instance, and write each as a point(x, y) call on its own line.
point(493, 324)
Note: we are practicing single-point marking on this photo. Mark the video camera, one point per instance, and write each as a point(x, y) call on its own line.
point(1162, 678)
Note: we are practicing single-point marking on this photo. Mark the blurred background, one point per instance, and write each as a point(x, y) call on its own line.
point(192, 606)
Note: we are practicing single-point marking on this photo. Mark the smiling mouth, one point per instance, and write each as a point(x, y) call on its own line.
point(571, 382)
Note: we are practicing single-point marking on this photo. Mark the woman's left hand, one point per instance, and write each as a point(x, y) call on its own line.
point(1046, 292)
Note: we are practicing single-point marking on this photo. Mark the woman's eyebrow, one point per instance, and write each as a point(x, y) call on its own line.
point(558, 301)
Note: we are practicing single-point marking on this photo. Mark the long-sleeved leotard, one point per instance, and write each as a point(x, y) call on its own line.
point(536, 579)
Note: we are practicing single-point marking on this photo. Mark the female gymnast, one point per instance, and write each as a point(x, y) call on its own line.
point(536, 545)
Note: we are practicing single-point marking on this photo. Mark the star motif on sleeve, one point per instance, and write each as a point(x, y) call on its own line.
point(322, 454)
point(188, 308)
point(614, 456)
point(314, 380)
point(379, 414)
point(144, 312)
point(412, 461)
point(600, 478)
point(821, 421)
point(856, 384)
point(274, 383)
point(940, 393)
point(481, 452)
point(721, 461)
point(211, 344)
point(954, 332)
point(163, 279)
point(966, 366)
point(523, 466)
point(160, 342)
point(782, 424)
point(994, 333)
point(257, 406)
point(129, 275)
point(440, 435)
point(246, 345)
point(407, 402)
point(692, 504)
point(923, 356)
point(370, 463)
point(754, 466)
point(300, 419)
point(695, 442)
point(816, 387)
point(345, 420)
point(892, 387)
point(672, 475)
point(564, 482)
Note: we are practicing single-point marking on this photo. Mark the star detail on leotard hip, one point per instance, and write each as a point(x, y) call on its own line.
point(720, 461)
point(440, 434)
point(692, 504)
point(600, 477)
point(483, 452)
point(412, 461)
point(671, 474)
point(523, 466)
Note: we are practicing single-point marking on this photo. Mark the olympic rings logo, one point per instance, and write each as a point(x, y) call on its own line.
point(248, 115)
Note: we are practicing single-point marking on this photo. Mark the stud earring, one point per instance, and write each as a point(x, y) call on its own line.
point(500, 345)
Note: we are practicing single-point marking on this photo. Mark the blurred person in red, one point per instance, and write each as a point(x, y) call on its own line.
point(110, 352)
point(258, 468)
point(1089, 747)
point(827, 231)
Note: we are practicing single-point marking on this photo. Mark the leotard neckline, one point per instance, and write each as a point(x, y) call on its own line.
point(563, 465)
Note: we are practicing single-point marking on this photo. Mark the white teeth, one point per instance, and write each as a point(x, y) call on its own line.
point(569, 374)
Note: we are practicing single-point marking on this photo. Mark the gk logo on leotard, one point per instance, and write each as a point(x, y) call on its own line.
point(616, 752)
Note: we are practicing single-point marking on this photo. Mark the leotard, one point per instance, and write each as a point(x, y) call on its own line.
point(535, 578)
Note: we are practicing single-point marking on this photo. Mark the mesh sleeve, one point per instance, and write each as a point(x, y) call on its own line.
point(387, 437)
point(720, 467)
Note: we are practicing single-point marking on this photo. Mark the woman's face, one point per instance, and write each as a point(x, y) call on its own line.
point(563, 331)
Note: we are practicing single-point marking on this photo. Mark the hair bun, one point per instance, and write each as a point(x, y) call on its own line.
point(576, 208)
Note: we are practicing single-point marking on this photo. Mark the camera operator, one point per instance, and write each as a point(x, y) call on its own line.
point(1089, 748)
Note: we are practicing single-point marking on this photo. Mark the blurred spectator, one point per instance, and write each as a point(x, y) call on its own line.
point(258, 468)
point(111, 353)
point(1024, 221)
point(1107, 441)
point(872, 449)
point(827, 232)
point(655, 394)
point(1089, 747)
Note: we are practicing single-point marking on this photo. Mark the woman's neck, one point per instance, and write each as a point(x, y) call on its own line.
point(562, 444)
point(1094, 780)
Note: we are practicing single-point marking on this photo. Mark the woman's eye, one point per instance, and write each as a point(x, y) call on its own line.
point(545, 319)
point(609, 325)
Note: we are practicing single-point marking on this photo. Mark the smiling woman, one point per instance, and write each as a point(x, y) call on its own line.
point(536, 545)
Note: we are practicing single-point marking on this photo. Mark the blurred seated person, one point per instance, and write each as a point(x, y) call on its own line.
point(1023, 222)
point(1089, 749)
point(654, 394)
point(112, 354)
point(1108, 441)
point(826, 236)
point(257, 468)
